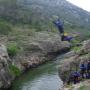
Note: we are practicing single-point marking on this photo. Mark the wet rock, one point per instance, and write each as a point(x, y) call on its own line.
point(85, 85)
point(66, 67)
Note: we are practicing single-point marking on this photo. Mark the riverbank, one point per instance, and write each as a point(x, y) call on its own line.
point(44, 77)
point(72, 61)
point(36, 51)
point(84, 85)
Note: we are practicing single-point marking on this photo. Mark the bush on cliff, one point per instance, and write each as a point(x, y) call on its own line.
point(14, 70)
point(13, 49)
point(76, 49)
point(83, 88)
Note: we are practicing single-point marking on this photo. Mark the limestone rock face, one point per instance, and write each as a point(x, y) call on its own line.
point(41, 49)
point(86, 46)
point(72, 61)
point(5, 77)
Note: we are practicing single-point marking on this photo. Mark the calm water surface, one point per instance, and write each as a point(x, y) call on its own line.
point(45, 77)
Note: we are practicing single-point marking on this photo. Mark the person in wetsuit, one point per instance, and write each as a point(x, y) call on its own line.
point(60, 25)
point(83, 68)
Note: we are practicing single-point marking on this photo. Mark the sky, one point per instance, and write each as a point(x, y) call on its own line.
point(84, 4)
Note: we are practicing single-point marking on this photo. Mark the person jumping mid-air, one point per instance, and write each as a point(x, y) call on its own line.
point(60, 25)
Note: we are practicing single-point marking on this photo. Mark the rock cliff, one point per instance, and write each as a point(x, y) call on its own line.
point(35, 53)
point(72, 61)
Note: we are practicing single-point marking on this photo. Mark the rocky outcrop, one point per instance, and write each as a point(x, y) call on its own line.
point(36, 52)
point(43, 48)
point(85, 85)
point(5, 77)
point(72, 61)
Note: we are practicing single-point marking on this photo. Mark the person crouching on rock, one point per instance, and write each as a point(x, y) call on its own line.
point(83, 68)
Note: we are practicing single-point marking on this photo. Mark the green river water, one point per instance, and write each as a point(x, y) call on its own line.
point(44, 77)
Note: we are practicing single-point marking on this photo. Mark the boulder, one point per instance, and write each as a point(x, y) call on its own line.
point(41, 49)
point(86, 46)
point(5, 77)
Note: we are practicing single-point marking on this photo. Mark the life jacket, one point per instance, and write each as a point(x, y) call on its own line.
point(65, 34)
point(76, 74)
point(59, 24)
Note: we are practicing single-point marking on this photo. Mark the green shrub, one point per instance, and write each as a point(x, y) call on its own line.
point(14, 70)
point(83, 88)
point(4, 28)
point(75, 41)
point(12, 49)
point(76, 49)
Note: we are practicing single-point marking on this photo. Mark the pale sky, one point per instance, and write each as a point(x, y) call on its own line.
point(84, 4)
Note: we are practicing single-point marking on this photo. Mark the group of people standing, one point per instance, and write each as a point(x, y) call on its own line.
point(85, 69)
point(83, 73)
